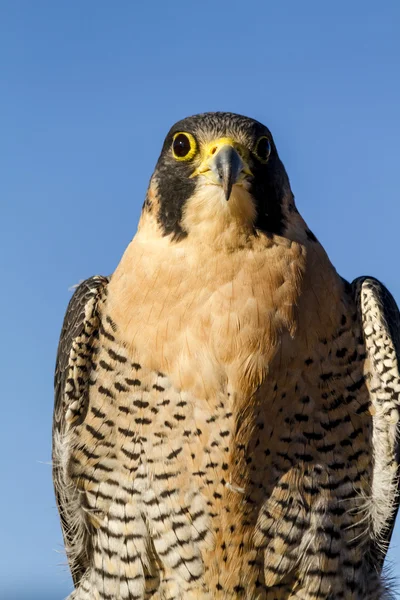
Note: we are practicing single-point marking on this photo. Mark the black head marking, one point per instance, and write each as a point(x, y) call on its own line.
point(269, 186)
point(268, 189)
point(174, 187)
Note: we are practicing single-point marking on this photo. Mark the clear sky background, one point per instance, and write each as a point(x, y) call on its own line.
point(88, 90)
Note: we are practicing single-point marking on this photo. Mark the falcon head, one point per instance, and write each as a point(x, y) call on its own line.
point(219, 170)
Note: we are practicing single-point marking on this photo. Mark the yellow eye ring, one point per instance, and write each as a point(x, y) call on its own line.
point(184, 146)
point(263, 149)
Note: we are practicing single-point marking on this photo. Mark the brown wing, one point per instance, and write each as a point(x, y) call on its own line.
point(381, 329)
point(72, 372)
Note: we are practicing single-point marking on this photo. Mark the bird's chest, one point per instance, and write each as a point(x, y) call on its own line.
point(191, 481)
point(209, 319)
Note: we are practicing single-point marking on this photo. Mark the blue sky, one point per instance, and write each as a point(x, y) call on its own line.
point(87, 92)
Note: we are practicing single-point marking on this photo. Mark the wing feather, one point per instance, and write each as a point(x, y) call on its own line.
point(72, 372)
point(381, 330)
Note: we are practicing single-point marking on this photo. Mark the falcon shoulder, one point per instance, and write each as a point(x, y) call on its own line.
point(72, 372)
point(380, 320)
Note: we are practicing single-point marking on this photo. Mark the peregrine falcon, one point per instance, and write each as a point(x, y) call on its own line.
point(226, 405)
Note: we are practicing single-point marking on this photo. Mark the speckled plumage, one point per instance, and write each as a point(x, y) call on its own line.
point(226, 405)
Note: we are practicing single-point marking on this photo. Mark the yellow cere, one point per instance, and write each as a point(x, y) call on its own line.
point(212, 147)
point(209, 150)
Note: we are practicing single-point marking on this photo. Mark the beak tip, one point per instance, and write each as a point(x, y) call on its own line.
point(227, 165)
point(227, 191)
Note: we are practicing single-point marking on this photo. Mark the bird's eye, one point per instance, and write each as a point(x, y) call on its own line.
point(263, 149)
point(183, 146)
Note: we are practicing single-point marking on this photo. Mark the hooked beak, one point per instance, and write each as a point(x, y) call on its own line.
point(227, 166)
point(224, 163)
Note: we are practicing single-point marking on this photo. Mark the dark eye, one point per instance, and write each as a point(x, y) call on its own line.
point(263, 149)
point(183, 146)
